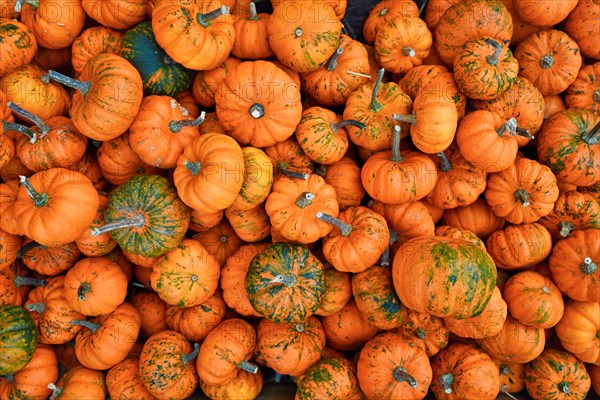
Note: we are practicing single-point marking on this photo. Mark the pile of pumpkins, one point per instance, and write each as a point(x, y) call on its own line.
point(194, 192)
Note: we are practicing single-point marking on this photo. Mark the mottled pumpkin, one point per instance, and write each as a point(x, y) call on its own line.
point(428, 330)
point(515, 342)
point(194, 323)
point(18, 45)
point(124, 381)
point(243, 386)
point(258, 179)
point(338, 291)
point(330, 379)
point(519, 246)
point(152, 310)
point(78, 382)
point(572, 211)
point(18, 338)
point(348, 329)
point(93, 41)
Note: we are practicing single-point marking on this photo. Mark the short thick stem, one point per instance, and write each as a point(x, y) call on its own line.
point(288, 280)
point(27, 281)
point(411, 118)
point(19, 4)
point(83, 290)
point(175, 126)
point(11, 126)
point(564, 387)
point(253, 13)
point(396, 156)
point(593, 136)
point(56, 391)
point(333, 60)
point(446, 381)
point(376, 105)
point(588, 266)
point(29, 246)
point(206, 19)
point(504, 369)
point(189, 357)
point(565, 228)
point(547, 61)
point(299, 32)
point(248, 367)
point(37, 121)
point(36, 307)
point(86, 324)
point(83, 87)
point(193, 166)
point(408, 51)
point(385, 259)
point(345, 228)
point(421, 333)
point(493, 59)
point(294, 174)
point(137, 221)
point(596, 96)
point(305, 199)
point(522, 197)
point(39, 199)
point(335, 127)
point(299, 328)
point(256, 111)
point(402, 375)
point(445, 164)
point(509, 126)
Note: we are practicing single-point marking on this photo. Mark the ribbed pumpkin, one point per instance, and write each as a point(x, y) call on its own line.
point(577, 27)
point(330, 379)
point(54, 24)
point(383, 11)
point(18, 338)
point(428, 330)
point(95, 246)
point(572, 211)
point(584, 92)
point(338, 291)
point(194, 323)
point(152, 311)
point(124, 381)
point(348, 329)
point(515, 342)
point(258, 179)
point(78, 382)
point(18, 45)
point(244, 385)
point(519, 246)
point(344, 177)
point(93, 41)
point(578, 330)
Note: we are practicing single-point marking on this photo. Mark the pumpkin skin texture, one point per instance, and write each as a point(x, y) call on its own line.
point(93, 41)
point(344, 177)
point(556, 374)
point(469, 20)
point(477, 217)
point(348, 329)
point(258, 179)
point(251, 35)
point(550, 60)
point(572, 211)
point(338, 291)
point(18, 338)
point(243, 386)
point(186, 275)
point(466, 273)
point(165, 216)
point(578, 330)
point(288, 156)
point(427, 330)
point(285, 283)
point(167, 368)
point(80, 382)
point(202, 222)
point(18, 45)
point(533, 299)
point(98, 246)
point(9, 248)
point(54, 24)
point(578, 26)
point(32, 381)
point(385, 10)
point(512, 376)
point(290, 349)
point(376, 298)
point(123, 381)
point(544, 12)
point(519, 246)
point(330, 379)
point(465, 372)
point(206, 83)
point(584, 92)
point(221, 241)
point(160, 74)
point(488, 323)
point(515, 342)
point(250, 225)
point(196, 322)
point(152, 311)
point(266, 111)
point(574, 265)
point(64, 204)
point(390, 367)
point(224, 350)
point(322, 135)
point(522, 193)
point(117, 14)
point(594, 371)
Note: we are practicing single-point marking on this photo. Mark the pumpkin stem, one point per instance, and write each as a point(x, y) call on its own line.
point(593, 136)
point(11, 126)
point(305, 199)
point(257, 111)
point(37, 121)
point(175, 126)
point(137, 221)
point(504, 369)
point(402, 375)
point(27, 281)
point(547, 61)
point(31, 245)
point(253, 13)
point(206, 19)
point(189, 357)
point(137, 284)
point(596, 96)
point(299, 32)
point(347, 122)
point(445, 163)
point(385, 259)
point(288, 280)
point(332, 63)
point(411, 118)
point(523, 197)
point(376, 105)
point(195, 167)
point(39, 199)
point(97, 143)
point(37, 307)
point(293, 174)
point(384, 11)
point(83, 87)
point(588, 266)
point(509, 126)
point(396, 156)
point(421, 333)
point(503, 390)
point(86, 324)
point(408, 51)
point(565, 228)
point(299, 328)
point(523, 132)
point(493, 59)
point(278, 377)
point(346, 229)
point(446, 381)
point(56, 391)
point(360, 74)
point(33, 3)
point(83, 289)
point(564, 387)
point(248, 367)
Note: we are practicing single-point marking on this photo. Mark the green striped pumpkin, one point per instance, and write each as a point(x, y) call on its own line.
point(285, 283)
point(161, 75)
point(18, 339)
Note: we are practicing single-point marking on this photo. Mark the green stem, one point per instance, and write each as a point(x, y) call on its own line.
point(189, 357)
point(376, 105)
point(248, 367)
point(11, 126)
point(29, 246)
point(305, 199)
point(523, 197)
point(332, 63)
point(175, 126)
point(56, 391)
point(86, 324)
point(565, 228)
point(408, 51)
point(445, 164)
point(39, 199)
point(396, 156)
point(509, 126)
point(37, 121)
point(206, 19)
point(410, 118)
point(547, 61)
point(37, 307)
point(83, 87)
point(253, 13)
point(19, 4)
point(194, 167)
point(596, 96)
point(27, 281)
point(137, 221)
point(446, 381)
point(493, 58)
point(335, 127)
point(402, 375)
point(288, 280)
point(592, 137)
point(345, 228)
point(588, 266)
point(293, 174)
point(256, 111)
point(564, 387)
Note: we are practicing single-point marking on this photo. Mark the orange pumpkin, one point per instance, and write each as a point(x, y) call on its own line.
point(330, 378)
point(572, 211)
point(544, 12)
point(578, 26)
point(385, 10)
point(206, 83)
point(80, 381)
point(338, 291)
point(124, 380)
point(152, 310)
point(515, 342)
point(578, 330)
point(477, 217)
point(17, 47)
point(195, 322)
point(93, 41)
point(54, 24)
point(258, 179)
point(49, 261)
point(348, 329)
point(243, 385)
point(249, 225)
point(519, 246)
point(251, 35)
point(584, 92)
point(344, 177)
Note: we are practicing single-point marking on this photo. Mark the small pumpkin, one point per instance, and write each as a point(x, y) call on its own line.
point(9, 248)
point(18, 45)
point(79, 381)
point(348, 329)
point(251, 35)
point(338, 291)
point(545, 12)
point(93, 41)
point(152, 310)
point(515, 342)
point(48, 261)
point(477, 217)
point(258, 179)
point(584, 92)
point(519, 246)
point(249, 225)
point(572, 211)
point(344, 177)
point(512, 376)
point(206, 83)
point(429, 331)
point(289, 159)
point(577, 26)
point(18, 338)
point(407, 220)
point(32, 381)
point(124, 381)
point(221, 241)
point(117, 14)
point(383, 11)
point(578, 330)
point(330, 379)
point(195, 322)
point(201, 222)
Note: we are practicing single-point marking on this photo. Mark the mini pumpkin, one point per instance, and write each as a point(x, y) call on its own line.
point(519, 246)
point(578, 330)
point(515, 342)
point(572, 211)
point(348, 329)
point(93, 41)
point(584, 92)
point(195, 322)
point(18, 45)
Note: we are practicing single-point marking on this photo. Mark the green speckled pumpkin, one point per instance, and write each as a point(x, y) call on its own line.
point(161, 75)
point(145, 216)
point(18, 339)
point(444, 277)
point(285, 283)
point(332, 378)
